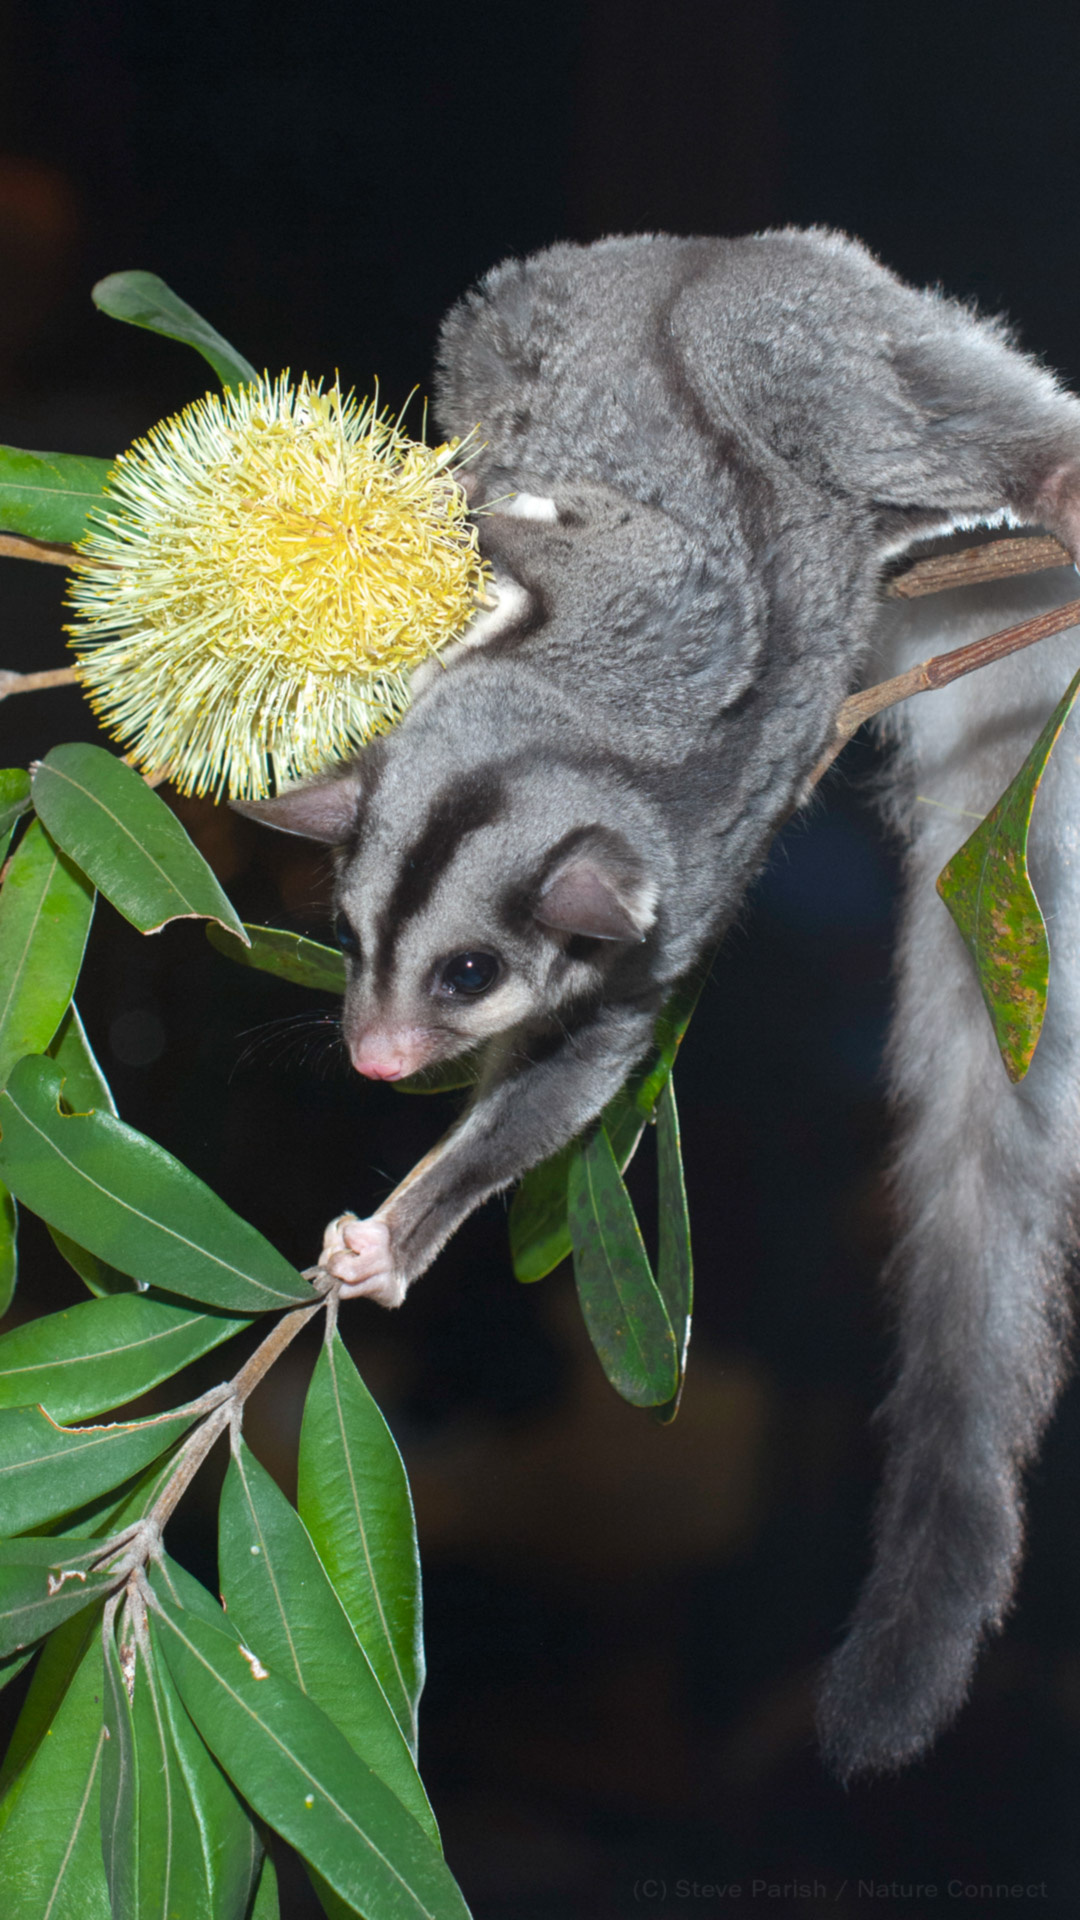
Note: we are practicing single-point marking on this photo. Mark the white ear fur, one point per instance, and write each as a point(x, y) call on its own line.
point(528, 506)
point(322, 810)
point(587, 897)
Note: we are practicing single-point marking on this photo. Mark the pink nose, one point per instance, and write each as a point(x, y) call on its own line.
point(380, 1069)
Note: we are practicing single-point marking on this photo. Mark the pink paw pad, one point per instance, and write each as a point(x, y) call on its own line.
point(357, 1254)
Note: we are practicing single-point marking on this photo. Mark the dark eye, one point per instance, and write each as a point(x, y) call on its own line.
point(469, 973)
point(345, 936)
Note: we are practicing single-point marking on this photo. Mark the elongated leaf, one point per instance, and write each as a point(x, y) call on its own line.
point(58, 1662)
point(124, 1796)
point(44, 1582)
point(266, 1905)
point(95, 1274)
point(231, 1851)
point(131, 1203)
point(45, 1469)
point(354, 1501)
point(274, 950)
point(626, 1317)
point(987, 889)
point(445, 1076)
point(9, 1255)
point(278, 1596)
point(674, 1018)
point(45, 910)
point(539, 1227)
point(122, 834)
point(65, 1647)
point(12, 1664)
point(47, 496)
point(104, 1353)
point(175, 1839)
point(300, 1775)
point(83, 1091)
point(144, 300)
point(674, 1267)
point(50, 1853)
point(130, 1502)
point(85, 1087)
point(14, 800)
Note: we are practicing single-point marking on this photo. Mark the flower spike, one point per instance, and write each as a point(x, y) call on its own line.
point(269, 567)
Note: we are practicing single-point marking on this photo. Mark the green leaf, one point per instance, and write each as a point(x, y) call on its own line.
point(58, 1662)
point(144, 300)
point(175, 1838)
point(104, 1353)
point(45, 910)
point(95, 1274)
point(987, 889)
point(44, 1582)
point(85, 1087)
point(64, 1648)
point(50, 1853)
point(675, 1266)
point(675, 1015)
point(133, 1501)
point(266, 1905)
point(14, 801)
point(274, 950)
point(354, 1500)
point(131, 1203)
point(301, 1776)
point(278, 1596)
point(46, 1469)
point(539, 1227)
point(9, 1253)
point(122, 834)
point(182, 1588)
point(445, 1076)
point(47, 496)
point(626, 1317)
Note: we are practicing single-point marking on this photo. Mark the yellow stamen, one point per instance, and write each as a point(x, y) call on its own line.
point(270, 566)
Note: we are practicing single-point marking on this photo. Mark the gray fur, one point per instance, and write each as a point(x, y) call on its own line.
point(985, 1185)
point(737, 435)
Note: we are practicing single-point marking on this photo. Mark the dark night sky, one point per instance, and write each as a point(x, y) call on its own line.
point(622, 1623)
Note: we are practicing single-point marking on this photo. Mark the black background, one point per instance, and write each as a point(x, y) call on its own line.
point(623, 1622)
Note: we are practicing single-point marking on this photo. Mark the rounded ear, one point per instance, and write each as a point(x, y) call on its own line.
point(321, 810)
point(598, 890)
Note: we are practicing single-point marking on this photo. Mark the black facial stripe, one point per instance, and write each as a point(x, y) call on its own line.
point(471, 803)
point(374, 761)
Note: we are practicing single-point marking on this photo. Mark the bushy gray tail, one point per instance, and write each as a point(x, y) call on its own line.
point(985, 1177)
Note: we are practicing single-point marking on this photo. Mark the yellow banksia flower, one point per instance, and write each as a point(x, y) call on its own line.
point(268, 568)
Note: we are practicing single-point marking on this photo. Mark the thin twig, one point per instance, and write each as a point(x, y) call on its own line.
point(20, 548)
point(938, 672)
point(198, 1445)
point(995, 560)
point(11, 682)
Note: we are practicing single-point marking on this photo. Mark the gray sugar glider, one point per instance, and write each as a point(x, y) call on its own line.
point(706, 452)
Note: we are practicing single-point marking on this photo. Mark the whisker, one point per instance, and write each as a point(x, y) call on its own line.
point(295, 1036)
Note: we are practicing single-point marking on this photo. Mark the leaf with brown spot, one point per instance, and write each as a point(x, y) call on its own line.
point(987, 889)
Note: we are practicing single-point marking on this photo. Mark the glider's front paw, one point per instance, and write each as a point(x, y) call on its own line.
point(356, 1253)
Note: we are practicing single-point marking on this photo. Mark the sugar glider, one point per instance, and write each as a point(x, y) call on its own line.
point(700, 455)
